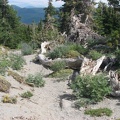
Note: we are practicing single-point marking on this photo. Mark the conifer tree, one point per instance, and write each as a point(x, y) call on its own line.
point(50, 11)
point(107, 19)
point(115, 4)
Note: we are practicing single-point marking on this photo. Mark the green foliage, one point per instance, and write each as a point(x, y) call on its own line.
point(27, 94)
point(82, 102)
point(35, 80)
point(50, 10)
point(99, 112)
point(64, 73)
point(79, 7)
point(115, 4)
point(58, 65)
point(67, 50)
point(48, 35)
point(73, 54)
point(94, 88)
point(17, 61)
point(107, 19)
point(117, 53)
point(11, 31)
point(95, 55)
point(26, 49)
point(4, 64)
point(79, 48)
point(59, 52)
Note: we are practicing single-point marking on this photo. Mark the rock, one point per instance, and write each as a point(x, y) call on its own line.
point(65, 104)
point(114, 83)
point(3, 51)
point(4, 85)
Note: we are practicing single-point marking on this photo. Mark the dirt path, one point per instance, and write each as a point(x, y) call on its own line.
point(45, 104)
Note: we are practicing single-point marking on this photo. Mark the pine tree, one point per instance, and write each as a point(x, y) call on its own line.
point(107, 19)
point(49, 11)
point(115, 4)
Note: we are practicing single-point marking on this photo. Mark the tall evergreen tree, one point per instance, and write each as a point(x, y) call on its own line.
point(107, 19)
point(115, 4)
point(49, 11)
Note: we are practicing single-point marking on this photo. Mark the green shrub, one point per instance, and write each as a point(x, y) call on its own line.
point(26, 49)
point(77, 47)
point(99, 112)
point(73, 54)
point(59, 52)
point(95, 55)
point(83, 102)
point(17, 61)
point(27, 94)
point(61, 74)
point(4, 64)
point(34, 45)
point(35, 80)
point(94, 88)
point(58, 65)
point(117, 53)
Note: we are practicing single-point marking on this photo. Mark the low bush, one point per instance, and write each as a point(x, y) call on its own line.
point(95, 55)
point(35, 80)
point(83, 102)
point(4, 64)
point(61, 74)
point(117, 53)
point(58, 65)
point(27, 94)
point(99, 112)
point(8, 99)
point(26, 49)
point(34, 45)
point(72, 54)
point(59, 52)
point(94, 88)
point(79, 48)
point(17, 61)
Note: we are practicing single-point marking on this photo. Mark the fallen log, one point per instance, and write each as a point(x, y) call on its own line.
point(71, 63)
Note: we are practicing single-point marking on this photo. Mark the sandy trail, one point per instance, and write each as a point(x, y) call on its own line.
point(45, 104)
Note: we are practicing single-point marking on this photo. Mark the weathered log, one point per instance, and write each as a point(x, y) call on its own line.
point(91, 67)
point(70, 63)
point(43, 47)
point(80, 32)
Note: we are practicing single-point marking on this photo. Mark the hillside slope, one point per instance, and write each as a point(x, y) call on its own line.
point(28, 15)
